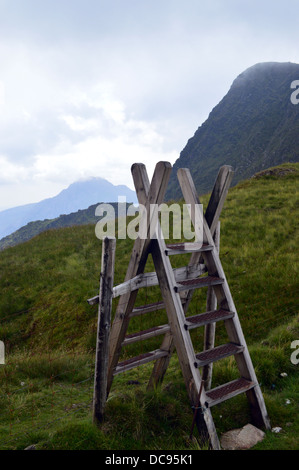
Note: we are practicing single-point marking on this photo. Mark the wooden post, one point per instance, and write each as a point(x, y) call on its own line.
point(103, 333)
point(210, 328)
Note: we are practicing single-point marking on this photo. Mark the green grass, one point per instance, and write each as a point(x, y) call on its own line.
point(47, 401)
point(49, 332)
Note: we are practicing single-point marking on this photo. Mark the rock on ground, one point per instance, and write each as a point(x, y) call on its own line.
point(241, 439)
point(32, 447)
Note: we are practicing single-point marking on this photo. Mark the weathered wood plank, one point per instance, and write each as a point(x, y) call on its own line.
point(139, 361)
point(143, 309)
point(103, 332)
point(150, 280)
point(154, 195)
point(213, 211)
point(218, 196)
point(182, 248)
point(146, 334)
point(218, 353)
point(206, 318)
point(210, 328)
point(204, 281)
point(229, 390)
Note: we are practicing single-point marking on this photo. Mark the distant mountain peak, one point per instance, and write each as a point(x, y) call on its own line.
point(78, 195)
point(254, 126)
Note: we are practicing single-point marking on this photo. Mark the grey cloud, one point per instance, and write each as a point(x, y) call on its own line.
point(170, 62)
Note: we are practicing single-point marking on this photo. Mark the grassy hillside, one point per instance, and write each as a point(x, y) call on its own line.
point(49, 331)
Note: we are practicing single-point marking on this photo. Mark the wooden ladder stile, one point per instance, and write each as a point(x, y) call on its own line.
point(225, 300)
point(177, 286)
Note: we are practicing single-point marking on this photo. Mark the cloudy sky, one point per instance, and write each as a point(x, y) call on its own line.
point(88, 87)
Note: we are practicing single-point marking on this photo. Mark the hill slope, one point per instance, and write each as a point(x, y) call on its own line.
point(79, 195)
point(255, 126)
point(49, 332)
point(49, 278)
point(81, 217)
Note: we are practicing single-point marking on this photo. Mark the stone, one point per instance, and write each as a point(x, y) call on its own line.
point(32, 447)
point(241, 439)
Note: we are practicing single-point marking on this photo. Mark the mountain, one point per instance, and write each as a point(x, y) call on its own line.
point(255, 126)
point(79, 195)
point(81, 217)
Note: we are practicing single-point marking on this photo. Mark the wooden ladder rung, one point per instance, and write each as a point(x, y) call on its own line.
point(139, 360)
point(145, 334)
point(212, 316)
point(229, 390)
point(147, 308)
point(215, 354)
point(93, 300)
point(183, 248)
point(206, 281)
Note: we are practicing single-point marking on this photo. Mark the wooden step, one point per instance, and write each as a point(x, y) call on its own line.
point(228, 390)
point(145, 334)
point(139, 360)
point(142, 309)
point(206, 281)
point(206, 318)
point(146, 308)
point(183, 248)
point(215, 354)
